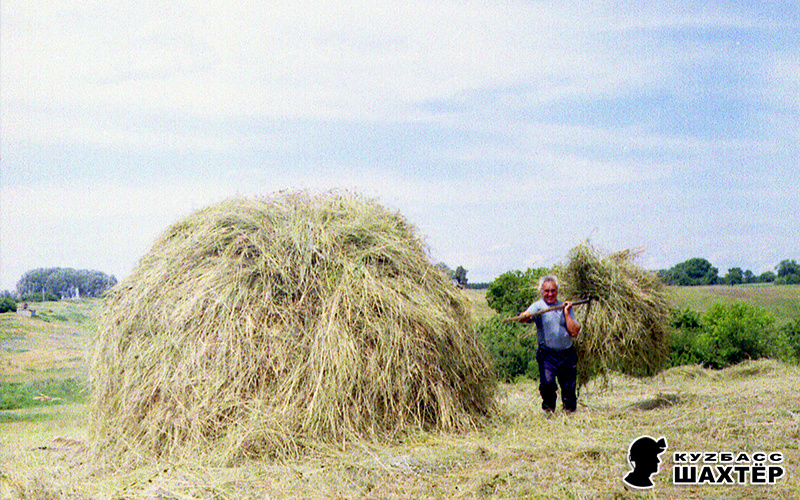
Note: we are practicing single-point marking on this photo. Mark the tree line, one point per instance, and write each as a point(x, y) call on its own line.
point(55, 283)
point(698, 271)
point(693, 272)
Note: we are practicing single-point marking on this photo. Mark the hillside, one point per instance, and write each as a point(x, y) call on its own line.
point(519, 453)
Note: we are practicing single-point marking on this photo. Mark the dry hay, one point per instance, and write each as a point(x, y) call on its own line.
point(264, 326)
point(625, 328)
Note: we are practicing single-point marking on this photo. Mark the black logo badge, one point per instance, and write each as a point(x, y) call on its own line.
point(643, 455)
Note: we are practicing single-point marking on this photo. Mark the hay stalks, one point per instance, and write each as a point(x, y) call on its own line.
point(263, 326)
point(625, 329)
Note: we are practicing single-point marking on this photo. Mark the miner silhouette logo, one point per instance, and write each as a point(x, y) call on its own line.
point(643, 455)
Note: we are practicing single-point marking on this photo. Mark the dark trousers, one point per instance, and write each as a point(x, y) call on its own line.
point(562, 366)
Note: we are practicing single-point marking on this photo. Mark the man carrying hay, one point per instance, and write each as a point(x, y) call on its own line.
point(556, 355)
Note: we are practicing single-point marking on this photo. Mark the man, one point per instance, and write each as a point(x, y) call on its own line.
point(556, 355)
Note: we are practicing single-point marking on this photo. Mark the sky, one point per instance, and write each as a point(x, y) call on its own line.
point(506, 132)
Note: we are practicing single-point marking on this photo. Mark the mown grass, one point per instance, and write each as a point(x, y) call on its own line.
point(520, 453)
point(754, 406)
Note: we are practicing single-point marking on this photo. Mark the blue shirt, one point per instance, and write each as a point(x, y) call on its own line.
point(551, 327)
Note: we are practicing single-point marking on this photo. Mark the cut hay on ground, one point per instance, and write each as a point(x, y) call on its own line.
point(262, 326)
point(625, 327)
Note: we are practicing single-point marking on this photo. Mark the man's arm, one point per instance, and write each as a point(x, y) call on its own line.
point(573, 327)
point(524, 317)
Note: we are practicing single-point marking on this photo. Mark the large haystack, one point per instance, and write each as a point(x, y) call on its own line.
point(625, 328)
point(261, 326)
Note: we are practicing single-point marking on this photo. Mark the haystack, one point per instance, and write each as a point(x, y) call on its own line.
point(261, 326)
point(625, 328)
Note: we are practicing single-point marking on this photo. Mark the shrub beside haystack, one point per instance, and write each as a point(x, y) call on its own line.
point(625, 328)
point(260, 326)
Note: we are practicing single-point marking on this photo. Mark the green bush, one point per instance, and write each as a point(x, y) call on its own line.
point(686, 319)
point(512, 346)
point(7, 304)
point(40, 297)
point(513, 291)
point(789, 279)
point(728, 334)
point(684, 348)
point(686, 327)
point(788, 341)
point(734, 333)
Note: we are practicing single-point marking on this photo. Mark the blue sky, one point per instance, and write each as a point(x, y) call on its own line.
point(507, 132)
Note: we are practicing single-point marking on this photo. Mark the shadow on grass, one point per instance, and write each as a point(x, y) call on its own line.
point(14, 416)
point(37, 393)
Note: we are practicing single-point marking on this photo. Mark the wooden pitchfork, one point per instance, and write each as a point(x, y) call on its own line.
point(554, 308)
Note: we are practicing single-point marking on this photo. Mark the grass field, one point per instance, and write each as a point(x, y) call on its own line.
point(518, 454)
point(783, 301)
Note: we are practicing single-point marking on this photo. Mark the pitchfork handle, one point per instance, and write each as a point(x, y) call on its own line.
point(537, 313)
point(554, 308)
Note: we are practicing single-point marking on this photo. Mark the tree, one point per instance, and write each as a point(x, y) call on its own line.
point(788, 273)
point(735, 276)
point(766, 277)
point(513, 291)
point(460, 275)
point(693, 272)
point(788, 267)
point(61, 282)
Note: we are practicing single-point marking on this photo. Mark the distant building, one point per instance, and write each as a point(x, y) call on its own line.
point(24, 311)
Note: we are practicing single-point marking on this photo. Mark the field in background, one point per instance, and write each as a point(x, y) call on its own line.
point(519, 454)
point(480, 309)
point(53, 344)
point(782, 300)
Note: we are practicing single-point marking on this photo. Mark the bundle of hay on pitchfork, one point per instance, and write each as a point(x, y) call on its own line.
point(625, 317)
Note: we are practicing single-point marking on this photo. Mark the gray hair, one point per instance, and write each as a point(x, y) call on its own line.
point(548, 277)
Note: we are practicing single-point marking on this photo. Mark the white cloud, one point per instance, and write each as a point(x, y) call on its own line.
point(183, 82)
point(109, 225)
point(287, 60)
point(104, 226)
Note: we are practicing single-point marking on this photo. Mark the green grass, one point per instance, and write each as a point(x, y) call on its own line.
point(14, 395)
point(51, 346)
point(10, 326)
point(15, 416)
point(76, 313)
point(782, 300)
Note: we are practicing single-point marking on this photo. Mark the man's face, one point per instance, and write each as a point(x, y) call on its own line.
point(549, 292)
